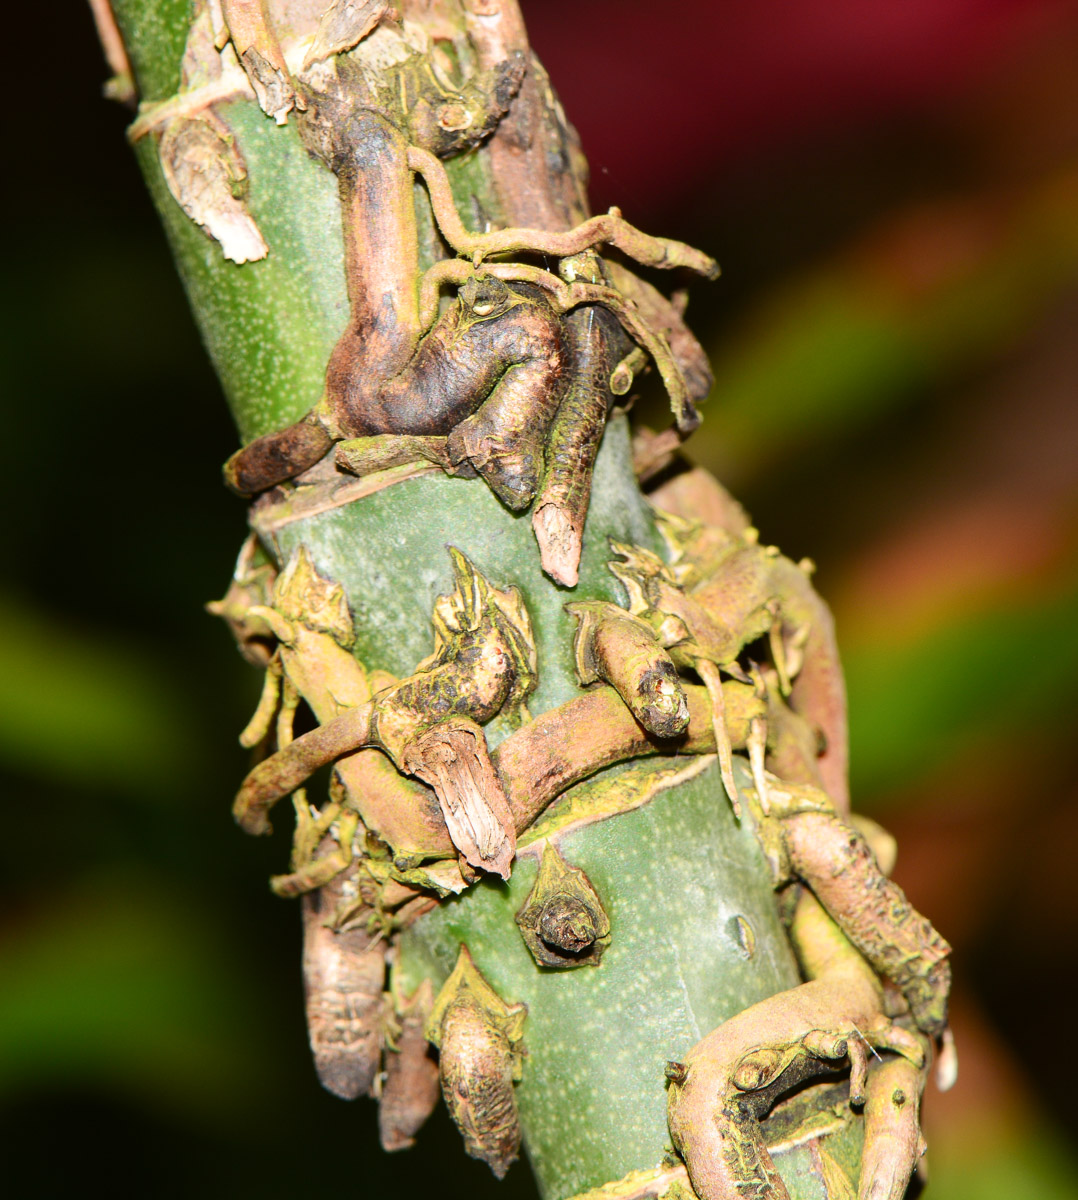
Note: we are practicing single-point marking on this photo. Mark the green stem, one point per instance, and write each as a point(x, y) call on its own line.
point(694, 933)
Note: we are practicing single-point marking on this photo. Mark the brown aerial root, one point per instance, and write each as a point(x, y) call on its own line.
point(311, 869)
point(734, 1077)
point(283, 772)
point(666, 318)
point(611, 229)
point(411, 1086)
point(893, 1139)
point(563, 297)
point(480, 1040)
point(837, 863)
point(344, 974)
point(709, 673)
point(121, 86)
point(276, 457)
point(572, 444)
point(569, 743)
point(618, 648)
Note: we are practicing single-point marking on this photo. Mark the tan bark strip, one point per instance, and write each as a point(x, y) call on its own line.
point(267, 516)
point(112, 43)
point(603, 798)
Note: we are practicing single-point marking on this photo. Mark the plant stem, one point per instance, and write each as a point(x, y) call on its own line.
point(680, 879)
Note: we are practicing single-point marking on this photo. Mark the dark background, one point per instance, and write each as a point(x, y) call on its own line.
point(892, 189)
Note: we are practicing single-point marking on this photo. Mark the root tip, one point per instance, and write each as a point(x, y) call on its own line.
point(560, 544)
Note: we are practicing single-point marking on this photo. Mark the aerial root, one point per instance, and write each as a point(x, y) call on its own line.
point(563, 297)
point(610, 229)
point(709, 673)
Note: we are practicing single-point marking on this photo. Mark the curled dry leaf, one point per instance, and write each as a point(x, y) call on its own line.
point(204, 171)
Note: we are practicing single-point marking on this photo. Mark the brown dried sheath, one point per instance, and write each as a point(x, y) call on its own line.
point(453, 759)
point(343, 974)
point(411, 1088)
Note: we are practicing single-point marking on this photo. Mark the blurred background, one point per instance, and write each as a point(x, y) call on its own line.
point(892, 189)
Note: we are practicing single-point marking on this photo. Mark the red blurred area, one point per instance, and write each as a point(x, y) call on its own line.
point(667, 96)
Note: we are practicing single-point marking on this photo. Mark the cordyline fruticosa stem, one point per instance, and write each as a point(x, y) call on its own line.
point(527, 888)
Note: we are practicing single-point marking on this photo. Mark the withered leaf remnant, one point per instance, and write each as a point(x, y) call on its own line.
point(206, 174)
point(412, 1083)
point(344, 976)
